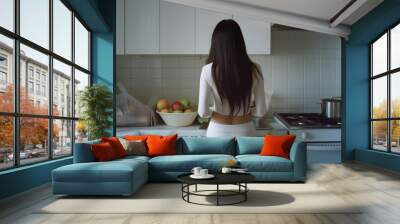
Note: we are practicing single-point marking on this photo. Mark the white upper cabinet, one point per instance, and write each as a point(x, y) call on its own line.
point(205, 23)
point(160, 27)
point(142, 26)
point(257, 34)
point(177, 29)
point(120, 34)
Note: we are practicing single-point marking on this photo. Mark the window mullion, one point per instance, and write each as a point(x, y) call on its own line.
point(16, 69)
point(73, 82)
point(389, 107)
point(50, 81)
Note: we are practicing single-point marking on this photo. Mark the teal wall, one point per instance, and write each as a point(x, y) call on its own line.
point(24, 178)
point(356, 84)
point(99, 15)
point(103, 53)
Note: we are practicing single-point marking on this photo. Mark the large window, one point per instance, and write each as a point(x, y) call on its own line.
point(44, 64)
point(385, 91)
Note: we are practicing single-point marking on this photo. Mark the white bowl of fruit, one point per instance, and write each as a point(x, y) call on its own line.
point(179, 114)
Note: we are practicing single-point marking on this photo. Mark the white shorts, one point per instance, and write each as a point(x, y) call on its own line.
point(230, 130)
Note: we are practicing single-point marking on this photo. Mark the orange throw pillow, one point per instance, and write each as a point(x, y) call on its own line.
point(161, 145)
point(103, 152)
point(277, 145)
point(136, 137)
point(116, 145)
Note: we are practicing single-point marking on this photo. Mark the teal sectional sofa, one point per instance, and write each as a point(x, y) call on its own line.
point(125, 176)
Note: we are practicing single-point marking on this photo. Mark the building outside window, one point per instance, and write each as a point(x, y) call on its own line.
point(44, 77)
point(37, 74)
point(385, 91)
point(3, 72)
point(3, 78)
point(43, 90)
point(57, 128)
point(30, 87)
point(30, 72)
point(3, 61)
point(38, 89)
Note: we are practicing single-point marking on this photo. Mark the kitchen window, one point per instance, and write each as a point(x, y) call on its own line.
point(40, 49)
point(385, 91)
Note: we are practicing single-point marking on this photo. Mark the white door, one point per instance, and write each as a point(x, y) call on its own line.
point(177, 29)
point(257, 34)
point(142, 26)
point(206, 21)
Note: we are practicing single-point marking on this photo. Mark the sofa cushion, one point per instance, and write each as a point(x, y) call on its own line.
point(249, 145)
point(134, 147)
point(161, 145)
point(206, 145)
point(116, 145)
point(103, 152)
point(277, 145)
point(257, 163)
point(185, 163)
point(112, 171)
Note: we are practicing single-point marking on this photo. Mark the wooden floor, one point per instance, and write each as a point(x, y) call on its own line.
point(377, 188)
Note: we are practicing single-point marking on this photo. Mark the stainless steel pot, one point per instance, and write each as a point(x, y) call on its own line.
point(330, 108)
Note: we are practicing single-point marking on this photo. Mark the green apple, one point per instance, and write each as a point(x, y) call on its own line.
point(185, 102)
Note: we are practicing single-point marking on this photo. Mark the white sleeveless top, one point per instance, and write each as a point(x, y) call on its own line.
point(208, 96)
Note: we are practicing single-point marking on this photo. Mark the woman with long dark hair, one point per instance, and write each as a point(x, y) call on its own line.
point(232, 84)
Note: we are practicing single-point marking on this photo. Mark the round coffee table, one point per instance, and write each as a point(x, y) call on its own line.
point(238, 179)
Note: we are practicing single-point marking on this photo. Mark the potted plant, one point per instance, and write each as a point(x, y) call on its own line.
point(96, 104)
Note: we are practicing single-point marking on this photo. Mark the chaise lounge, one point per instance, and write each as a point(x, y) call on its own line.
point(125, 176)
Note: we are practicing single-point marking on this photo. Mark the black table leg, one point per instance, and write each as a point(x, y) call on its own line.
point(188, 190)
point(182, 189)
point(245, 193)
point(217, 194)
point(220, 193)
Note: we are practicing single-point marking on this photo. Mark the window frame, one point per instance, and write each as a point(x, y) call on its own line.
point(388, 74)
point(16, 114)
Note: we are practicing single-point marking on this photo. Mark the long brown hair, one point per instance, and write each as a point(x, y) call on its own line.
point(232, 69)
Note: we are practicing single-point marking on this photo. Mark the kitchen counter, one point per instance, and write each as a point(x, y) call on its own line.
point(193, 130)
point(264, 128)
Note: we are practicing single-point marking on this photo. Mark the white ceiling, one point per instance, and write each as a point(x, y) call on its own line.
point(313, 15)
point(319, 9)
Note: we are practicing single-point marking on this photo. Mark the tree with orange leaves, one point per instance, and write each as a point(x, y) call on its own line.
point(33, 130)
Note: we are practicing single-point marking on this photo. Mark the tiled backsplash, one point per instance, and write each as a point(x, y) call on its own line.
point(303, 68)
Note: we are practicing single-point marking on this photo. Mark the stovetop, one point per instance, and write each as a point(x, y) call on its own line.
point(306, 120)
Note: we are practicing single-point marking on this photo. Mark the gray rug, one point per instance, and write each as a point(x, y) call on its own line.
point(166, 198)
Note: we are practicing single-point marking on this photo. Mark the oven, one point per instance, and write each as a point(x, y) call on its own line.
point(322, 137)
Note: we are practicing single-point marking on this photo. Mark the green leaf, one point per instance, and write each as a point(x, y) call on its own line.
point(96, 102)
